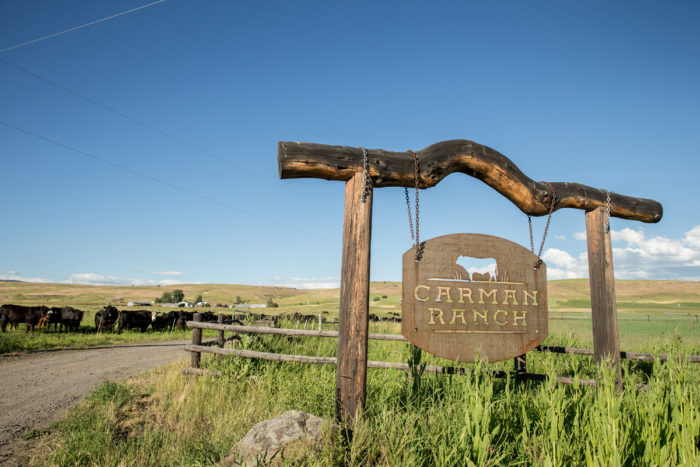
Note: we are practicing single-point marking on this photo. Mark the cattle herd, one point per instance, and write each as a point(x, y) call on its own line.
point(109, 318)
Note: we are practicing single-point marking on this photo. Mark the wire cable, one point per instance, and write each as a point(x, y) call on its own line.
point(160, 132)
point(162, 182)
point(175, 138)
point(80, 27)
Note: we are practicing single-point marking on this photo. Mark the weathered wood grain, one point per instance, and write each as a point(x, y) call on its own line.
point(399, 338)
point(606, 342)
point(195, 357)
point(387, 168)
point(220, 336)
point(449, 370)
point(351, 373)
point(286, 332)
point(464, 318)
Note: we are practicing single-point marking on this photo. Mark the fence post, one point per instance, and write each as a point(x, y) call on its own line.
point(351, 372)
point(520, 367)
point(606, 343)
point(220, 338)
point(196, 340)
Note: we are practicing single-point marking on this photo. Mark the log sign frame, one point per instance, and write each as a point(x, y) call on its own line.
point(452, 314)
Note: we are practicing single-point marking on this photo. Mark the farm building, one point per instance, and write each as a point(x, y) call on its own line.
point(135, 303)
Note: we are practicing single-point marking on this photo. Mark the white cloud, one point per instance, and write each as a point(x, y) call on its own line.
point(560, 237)
point(16, 276)
point(306, 283)
point(636, 257)
point(580, 235)
point(561, 265)
point(99, 279)
point(693, 236)
point(168, 273)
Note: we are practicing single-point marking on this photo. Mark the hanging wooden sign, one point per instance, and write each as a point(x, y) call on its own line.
point(493, 314)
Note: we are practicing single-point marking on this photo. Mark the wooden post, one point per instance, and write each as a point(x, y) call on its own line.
point(196, 340)
point(351, 372)
point(520, 367)
point(606, 343)
point(220, 337)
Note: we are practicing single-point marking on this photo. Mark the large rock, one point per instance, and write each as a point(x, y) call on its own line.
point(280, 437)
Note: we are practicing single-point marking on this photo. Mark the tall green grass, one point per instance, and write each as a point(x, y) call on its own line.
point(411, 418)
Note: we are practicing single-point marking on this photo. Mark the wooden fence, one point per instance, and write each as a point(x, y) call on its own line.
point(197, 347)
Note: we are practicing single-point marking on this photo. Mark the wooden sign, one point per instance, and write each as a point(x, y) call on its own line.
point(453, 313)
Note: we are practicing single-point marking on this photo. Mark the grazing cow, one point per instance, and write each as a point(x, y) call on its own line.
point(70, 318)
point(160, 321)
point(15, 314)
point(208, 316)
point(134, 319)
point(53, 316)
point(183, 317)
point(106, 318)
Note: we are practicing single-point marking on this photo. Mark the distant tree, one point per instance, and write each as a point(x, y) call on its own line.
point(175, 296)
point(270, 303)
point(238, 300)
point(198, 299)
point(178, 295)
point(165, 298)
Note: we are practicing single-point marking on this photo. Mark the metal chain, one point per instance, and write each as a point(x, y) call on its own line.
point(607, 220)
point(410, 221)
point(365, 169)
point(419, 246)
point(546, 227)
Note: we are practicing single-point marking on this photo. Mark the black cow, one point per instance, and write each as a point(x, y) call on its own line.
point(106, 318)
point(70, 318)
point(53, 316)
point(183, 317)
point(134, 319)
point(208, 317)
point(166, 321)
point(15, 314)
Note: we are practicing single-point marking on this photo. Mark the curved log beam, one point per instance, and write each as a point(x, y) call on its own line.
point(387, 168)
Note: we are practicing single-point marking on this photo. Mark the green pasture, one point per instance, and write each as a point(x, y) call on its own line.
point(646, 309)
point(164, 418)
point(87, 336)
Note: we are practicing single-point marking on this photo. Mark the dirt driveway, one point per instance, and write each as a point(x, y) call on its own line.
point(38, 388)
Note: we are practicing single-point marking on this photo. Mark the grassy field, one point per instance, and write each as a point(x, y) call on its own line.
point(646, 308)
point(164, 418)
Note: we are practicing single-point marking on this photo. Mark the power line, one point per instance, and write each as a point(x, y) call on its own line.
point(178, 140)
point(158, 180)
point(160, 132)
point(175, 138)
point(80, 27)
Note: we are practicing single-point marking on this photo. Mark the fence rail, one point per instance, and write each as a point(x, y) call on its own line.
point(397, 337)
point(217, 347)
point(277, 357)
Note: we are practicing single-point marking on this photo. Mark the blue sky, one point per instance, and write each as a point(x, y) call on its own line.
point(143, 149)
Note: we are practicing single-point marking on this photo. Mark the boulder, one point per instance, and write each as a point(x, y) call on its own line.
point(272, 440)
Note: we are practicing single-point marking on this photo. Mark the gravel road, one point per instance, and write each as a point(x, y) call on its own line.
point(38, 388)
